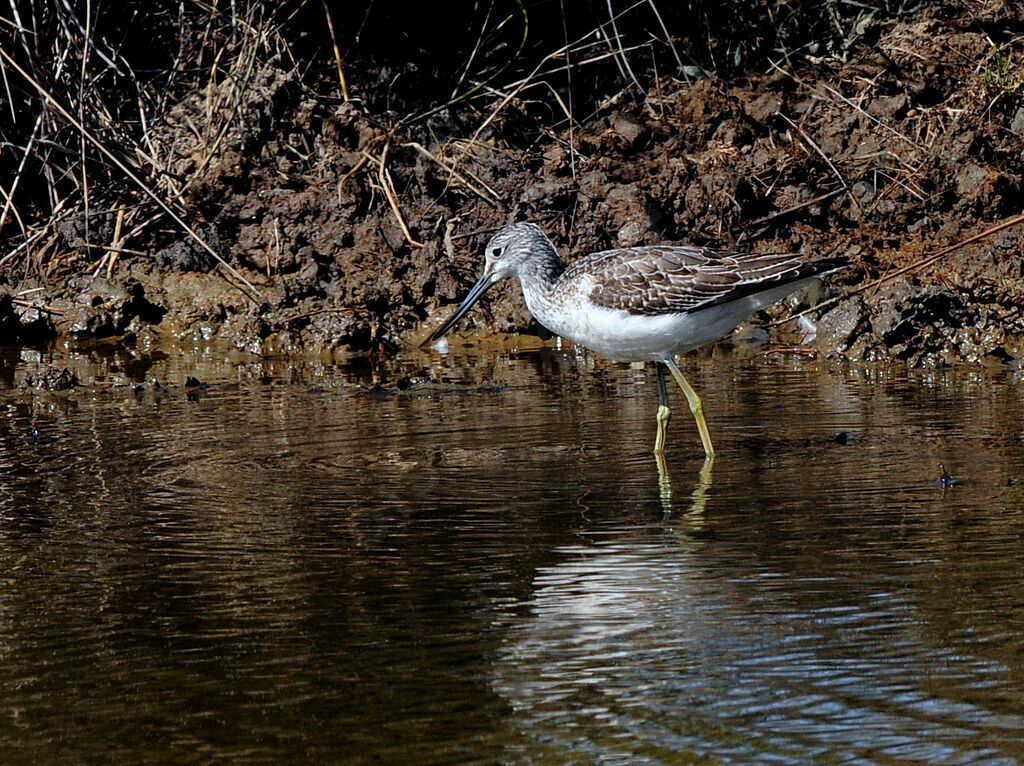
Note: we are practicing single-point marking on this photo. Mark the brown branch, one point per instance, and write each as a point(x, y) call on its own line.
point(928, 260)
point(31, 305)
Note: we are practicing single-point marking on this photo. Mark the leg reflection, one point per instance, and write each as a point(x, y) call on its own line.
point(700, 491)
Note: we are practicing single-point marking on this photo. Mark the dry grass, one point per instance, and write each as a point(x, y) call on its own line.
point(106, 145)
point(84, 157)
point(101, 151)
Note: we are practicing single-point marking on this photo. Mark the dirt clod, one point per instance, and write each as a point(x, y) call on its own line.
point(357, 223)
point(52, 379)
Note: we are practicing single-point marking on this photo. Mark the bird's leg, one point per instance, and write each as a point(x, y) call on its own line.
point(663, 412)
point(696, 407)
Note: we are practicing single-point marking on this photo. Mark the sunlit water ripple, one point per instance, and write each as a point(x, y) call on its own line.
point(472, 559)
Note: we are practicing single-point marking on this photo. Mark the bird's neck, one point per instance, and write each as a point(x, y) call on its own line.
point(539, 277)
point(539, 274)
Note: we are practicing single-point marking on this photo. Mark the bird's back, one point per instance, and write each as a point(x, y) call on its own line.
point(663, 279)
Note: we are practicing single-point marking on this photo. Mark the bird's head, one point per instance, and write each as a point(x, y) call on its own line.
point(505, 255)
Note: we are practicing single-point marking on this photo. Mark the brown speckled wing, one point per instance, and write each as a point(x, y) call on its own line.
point(662, 279)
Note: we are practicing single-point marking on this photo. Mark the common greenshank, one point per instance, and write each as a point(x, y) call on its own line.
point(641, 303)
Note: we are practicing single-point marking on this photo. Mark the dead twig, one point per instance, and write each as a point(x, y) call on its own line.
point(30, 305)
point(810, 142)
point(797, 207)
point(389, 192)
point(485, 192)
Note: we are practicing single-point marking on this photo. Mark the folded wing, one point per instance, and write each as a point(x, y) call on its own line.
point(677, 279)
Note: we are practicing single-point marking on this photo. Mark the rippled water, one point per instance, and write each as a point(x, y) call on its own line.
point(471, 559)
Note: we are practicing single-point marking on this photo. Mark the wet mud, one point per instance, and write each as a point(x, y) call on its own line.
point(909, 141)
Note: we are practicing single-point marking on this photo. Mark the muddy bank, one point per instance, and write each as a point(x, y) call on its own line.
point(357, 233)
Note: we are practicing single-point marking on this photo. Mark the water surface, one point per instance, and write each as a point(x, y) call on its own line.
point(470, 558)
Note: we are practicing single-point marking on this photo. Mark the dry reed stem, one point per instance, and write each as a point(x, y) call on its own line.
point(668, 39)
point(26, 243)
point(482, 193)
point(622, 53)
point(240, 91)
point(527, 82)
point(9, 205)
point(117, 242)
point(480, 85)
point(337, 53)
point(568, 90)
point(9, 196)
point(389, 192)
point(32, 137)
point(83, 145)
point(523, 84)
point(112, 249)
point(277, 246)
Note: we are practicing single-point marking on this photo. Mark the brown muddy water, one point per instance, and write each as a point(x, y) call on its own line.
point(469, 558)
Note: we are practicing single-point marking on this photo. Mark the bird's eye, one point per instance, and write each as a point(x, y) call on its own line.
point(496, 252)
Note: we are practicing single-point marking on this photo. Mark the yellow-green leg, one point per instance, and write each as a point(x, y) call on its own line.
point(696, 407)
point(664, 413)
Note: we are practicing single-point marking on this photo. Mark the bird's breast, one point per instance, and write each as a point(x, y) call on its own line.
point(614, 333)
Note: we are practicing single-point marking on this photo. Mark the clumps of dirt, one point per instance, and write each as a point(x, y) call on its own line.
point(358, 231)
point(52, 379)
point(922, 326)
point(102, 308)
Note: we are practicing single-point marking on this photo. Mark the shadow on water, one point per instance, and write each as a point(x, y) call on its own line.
point(471, 559)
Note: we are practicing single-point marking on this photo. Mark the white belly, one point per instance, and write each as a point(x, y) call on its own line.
point(627, 337)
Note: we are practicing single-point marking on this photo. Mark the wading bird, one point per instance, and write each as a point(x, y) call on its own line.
point(641, 303)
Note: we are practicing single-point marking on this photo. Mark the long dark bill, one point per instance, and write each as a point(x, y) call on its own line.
point(481, 287)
